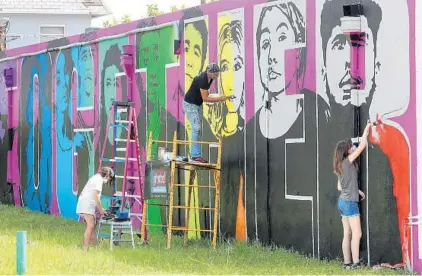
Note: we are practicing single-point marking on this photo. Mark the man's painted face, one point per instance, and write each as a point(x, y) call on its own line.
point(86, 84)
point(193, 52)
point(62, 84)
point(339, 79)
point(232, 74)
point(276, 36)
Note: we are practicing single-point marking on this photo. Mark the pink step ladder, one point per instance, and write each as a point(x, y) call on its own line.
point(128, 138)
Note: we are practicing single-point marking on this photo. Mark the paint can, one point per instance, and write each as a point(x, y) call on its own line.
point(161, 153)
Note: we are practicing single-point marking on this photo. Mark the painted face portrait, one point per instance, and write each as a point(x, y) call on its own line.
point(193, 52)
point(339, 79)
point(231, 57)
point(86, 77)
point(62, 84)
point(276, 34)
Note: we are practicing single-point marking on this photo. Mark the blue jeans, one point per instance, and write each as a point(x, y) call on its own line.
point(348, 208)
point(194, 114)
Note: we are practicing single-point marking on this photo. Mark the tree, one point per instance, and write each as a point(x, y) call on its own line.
point(175, 8)
point(126, 18)
point(153, 10)
point(107, 23)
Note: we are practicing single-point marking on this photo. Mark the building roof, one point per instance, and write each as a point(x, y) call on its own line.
point(93, 7)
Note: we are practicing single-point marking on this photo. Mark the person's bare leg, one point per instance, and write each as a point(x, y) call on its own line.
point(90, 226)
point(356, 235)
point(94, 240)
point(347, 236)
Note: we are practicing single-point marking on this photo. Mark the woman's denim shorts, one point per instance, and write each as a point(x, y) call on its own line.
point(348, 208)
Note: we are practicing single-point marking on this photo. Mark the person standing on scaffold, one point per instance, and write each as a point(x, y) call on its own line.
point(89, 199)
point(192, 105)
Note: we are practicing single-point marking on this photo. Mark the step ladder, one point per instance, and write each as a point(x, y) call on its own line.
point(193, 167)
point(127, 143)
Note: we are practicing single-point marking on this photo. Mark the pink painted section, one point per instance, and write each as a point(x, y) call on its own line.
point(54, 208)
point(357, 59)
point(291, 64)
point(408, 122)
point(35, 99)
point(74, 105)
point(310, 73)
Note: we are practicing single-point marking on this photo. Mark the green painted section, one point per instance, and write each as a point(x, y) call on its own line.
point(155, 52)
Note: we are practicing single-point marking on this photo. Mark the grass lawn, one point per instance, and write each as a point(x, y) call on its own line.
point(54, 248)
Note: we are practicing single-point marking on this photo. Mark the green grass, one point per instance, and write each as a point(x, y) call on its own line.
point(54, 248)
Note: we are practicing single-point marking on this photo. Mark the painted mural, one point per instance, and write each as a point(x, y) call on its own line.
point(296, 92)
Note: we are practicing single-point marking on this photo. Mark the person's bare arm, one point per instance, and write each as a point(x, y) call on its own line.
point(362, 144)
point(98, 202)
point(338, 185)
point(206, 97)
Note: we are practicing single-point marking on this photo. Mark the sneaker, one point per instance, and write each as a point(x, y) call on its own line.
point(347, 266)
point(356, 266)
point(199, 159)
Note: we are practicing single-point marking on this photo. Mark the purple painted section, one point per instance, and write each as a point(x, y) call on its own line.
point(9, 77)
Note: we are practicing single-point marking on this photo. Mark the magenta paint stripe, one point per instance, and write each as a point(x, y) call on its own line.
point(409, 124)
point(95, 57)
point(357, 59)
point(13, 122)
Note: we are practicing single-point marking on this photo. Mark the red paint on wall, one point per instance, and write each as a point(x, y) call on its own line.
point(240, 216)
point(393, 143)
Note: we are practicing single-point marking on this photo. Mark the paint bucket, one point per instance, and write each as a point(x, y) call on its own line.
point(161, 153)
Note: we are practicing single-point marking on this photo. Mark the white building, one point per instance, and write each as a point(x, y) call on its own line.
point(34, 21)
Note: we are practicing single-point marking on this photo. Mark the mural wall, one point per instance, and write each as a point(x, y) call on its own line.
point(297, 93)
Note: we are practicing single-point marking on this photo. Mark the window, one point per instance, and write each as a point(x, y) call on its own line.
point(48, 33)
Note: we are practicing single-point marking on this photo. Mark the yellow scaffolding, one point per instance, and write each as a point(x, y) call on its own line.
point(191, 166)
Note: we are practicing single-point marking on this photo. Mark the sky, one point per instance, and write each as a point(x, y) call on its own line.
point(136, 9)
